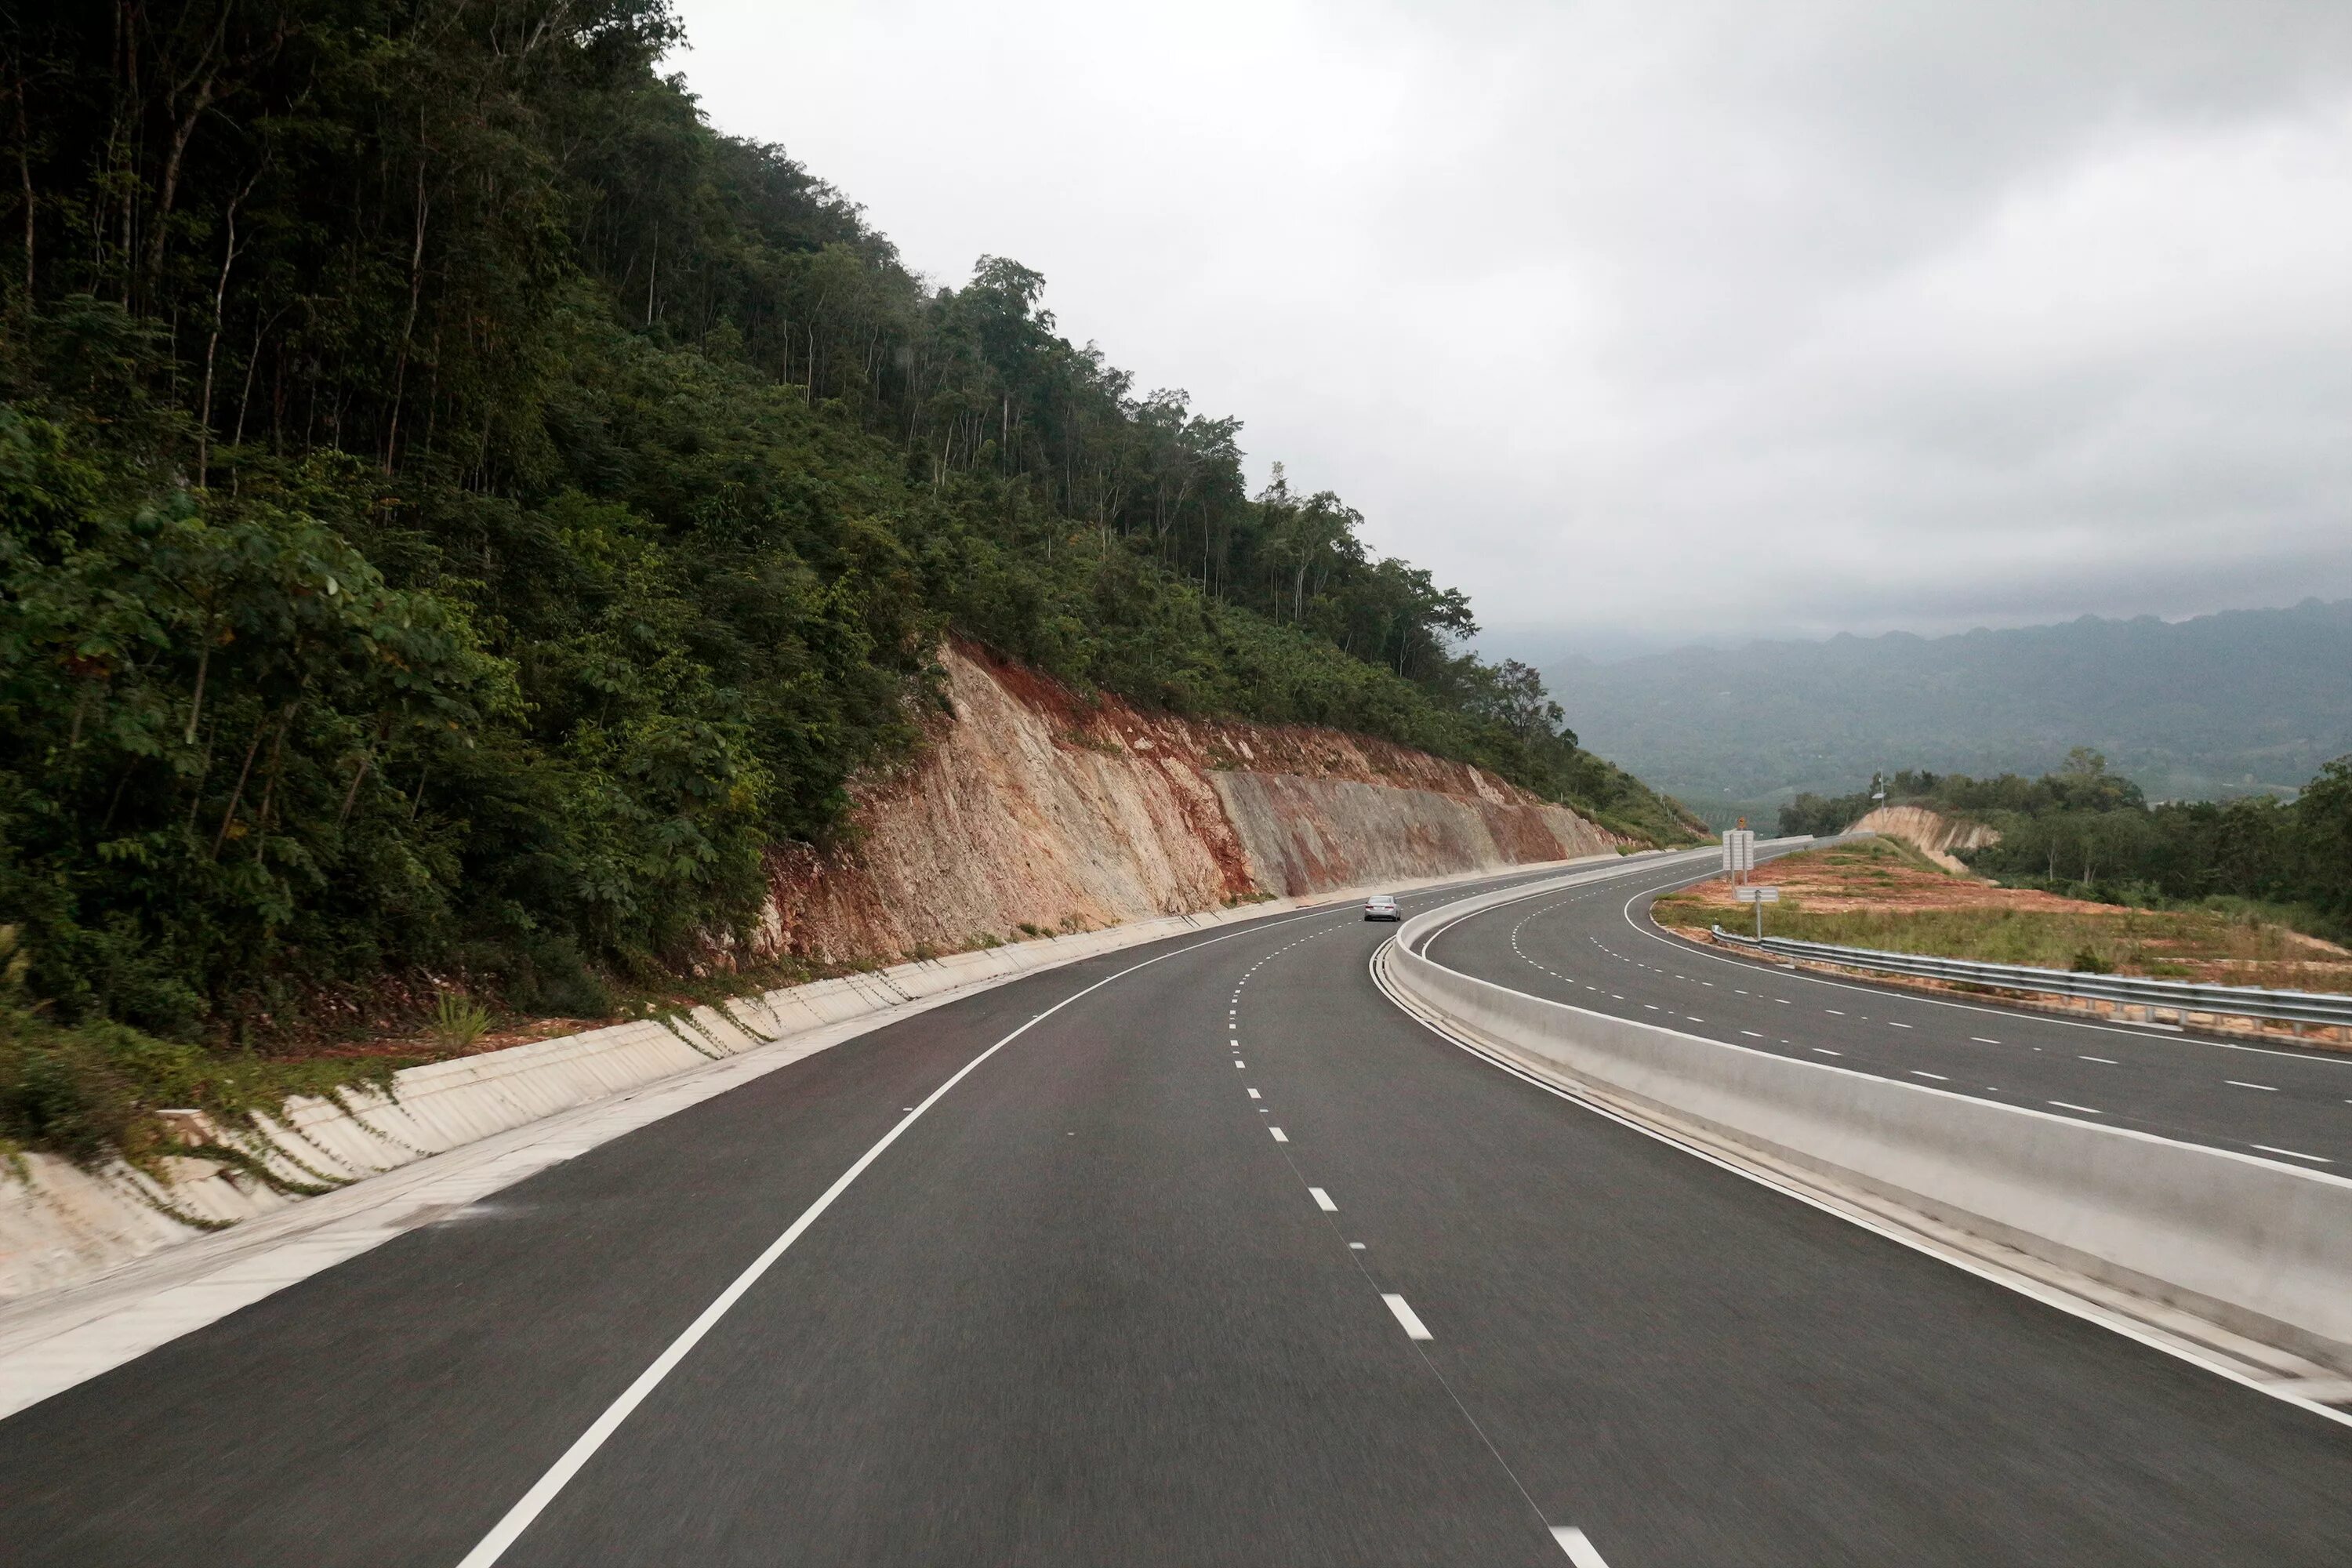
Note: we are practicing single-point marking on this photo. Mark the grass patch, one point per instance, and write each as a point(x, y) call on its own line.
point(2167, 942)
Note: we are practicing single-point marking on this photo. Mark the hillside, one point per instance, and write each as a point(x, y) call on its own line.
point(466, 523)
point(2243, 702)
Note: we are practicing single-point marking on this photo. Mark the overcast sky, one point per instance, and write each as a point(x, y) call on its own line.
point(1649, 322)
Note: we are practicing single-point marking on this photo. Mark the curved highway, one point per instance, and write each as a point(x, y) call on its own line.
point(1595, 947)
point(1200, 1253)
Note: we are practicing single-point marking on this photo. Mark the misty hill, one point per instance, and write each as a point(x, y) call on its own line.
point(2243, 702)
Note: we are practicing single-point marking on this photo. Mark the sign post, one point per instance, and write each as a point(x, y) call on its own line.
point(1759, 896)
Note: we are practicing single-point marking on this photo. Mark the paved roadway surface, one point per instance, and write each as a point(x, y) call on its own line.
point(1088, 1309)
point(1595, 947)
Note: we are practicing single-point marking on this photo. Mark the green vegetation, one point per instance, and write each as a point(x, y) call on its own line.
point(457, 511)
point(1908, 904)
point(2088, 833)
point(2137, 941)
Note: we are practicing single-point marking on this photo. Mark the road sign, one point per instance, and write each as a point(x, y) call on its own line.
point(1757, 895)
point(1738, 851)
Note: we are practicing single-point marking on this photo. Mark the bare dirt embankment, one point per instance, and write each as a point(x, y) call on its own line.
point(1032, 807)
point(1934, 834)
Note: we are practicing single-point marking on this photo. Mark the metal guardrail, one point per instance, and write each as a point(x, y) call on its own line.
point(2179, 997)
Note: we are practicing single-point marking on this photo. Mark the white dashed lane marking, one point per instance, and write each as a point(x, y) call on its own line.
point(1414, 1329)
point(1323, 1200)
point(1578, 1546)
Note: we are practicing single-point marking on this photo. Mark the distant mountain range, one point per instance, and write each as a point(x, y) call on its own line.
point(2237, 703)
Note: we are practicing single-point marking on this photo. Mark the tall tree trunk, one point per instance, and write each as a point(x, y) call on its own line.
point(212, 341)
point(408, 326)
point(202, 80)
point(25, 172)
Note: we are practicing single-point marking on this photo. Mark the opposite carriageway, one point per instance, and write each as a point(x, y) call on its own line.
point(1594, 946)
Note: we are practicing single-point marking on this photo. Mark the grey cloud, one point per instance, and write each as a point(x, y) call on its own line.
point(1644, 322)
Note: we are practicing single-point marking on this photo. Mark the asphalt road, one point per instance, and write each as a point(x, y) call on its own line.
point(1088, 1308)
point(1597, 948)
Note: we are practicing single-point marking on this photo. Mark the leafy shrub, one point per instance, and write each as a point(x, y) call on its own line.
point(459, 1021)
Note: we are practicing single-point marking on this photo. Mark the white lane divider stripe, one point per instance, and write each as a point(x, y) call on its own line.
point(2296, 1154)
point(2110, 1061)
point(518, 1518)
point(2240, 1083)
point(1255, 1095)
point(1940, 1078)
point(1414, 1329)
point(1578, 1546)
point(2086, 1110)
point(1279, 1136)
point(1323, 1200)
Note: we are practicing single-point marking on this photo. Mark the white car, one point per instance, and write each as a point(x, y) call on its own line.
point(1380, 907)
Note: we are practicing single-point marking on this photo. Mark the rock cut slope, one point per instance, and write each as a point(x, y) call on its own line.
point(1033, 806)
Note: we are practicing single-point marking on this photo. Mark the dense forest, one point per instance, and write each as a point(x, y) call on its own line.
point(2091, 833)
point(458, 510)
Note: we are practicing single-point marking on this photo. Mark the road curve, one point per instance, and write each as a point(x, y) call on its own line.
point(1088, 1307)
point(1595, 947)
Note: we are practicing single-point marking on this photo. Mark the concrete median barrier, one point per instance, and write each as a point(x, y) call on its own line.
point(2260, 1248)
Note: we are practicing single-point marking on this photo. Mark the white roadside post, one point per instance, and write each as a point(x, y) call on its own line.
point(1759, 896)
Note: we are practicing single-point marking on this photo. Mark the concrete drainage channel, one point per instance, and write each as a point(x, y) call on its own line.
point(106, 1266)
point(2239, 1264)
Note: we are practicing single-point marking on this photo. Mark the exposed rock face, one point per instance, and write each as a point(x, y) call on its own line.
point(1931, 833)
point(1032, 806)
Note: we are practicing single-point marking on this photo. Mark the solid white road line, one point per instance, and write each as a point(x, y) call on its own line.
point(1413, 1327)
point(1279, 1136)
point(1580, 1550)
point(1323, 1200)
point(2296, 1154)
point(2240, 1083)
point(518, 1518)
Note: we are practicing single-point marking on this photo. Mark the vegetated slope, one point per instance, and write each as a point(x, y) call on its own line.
point(1032, 810)
point(461, 515)
point(2243, 702)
